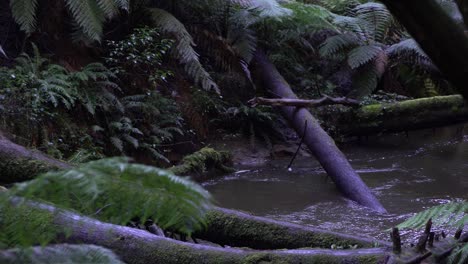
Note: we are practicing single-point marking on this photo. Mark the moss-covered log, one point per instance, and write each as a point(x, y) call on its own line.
point(234, 228)
point(139, 246)
point(61, 253)
point(317, 140)
point(404, 116)
point(19, 164)
point(438, 35)
point(202, 163)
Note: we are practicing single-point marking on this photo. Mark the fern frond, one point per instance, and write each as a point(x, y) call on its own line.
point(114, 190)
point(109, 7)
point(378, 17)
point(117, 143)
point(24, 13)
point(338, 43)
point(365, 81)
point(89, 17)
point(184, 50)
point(459, 255)
point(450, 214)
point(362, 55)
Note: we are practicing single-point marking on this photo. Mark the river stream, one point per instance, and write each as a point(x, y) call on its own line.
point(407, 174)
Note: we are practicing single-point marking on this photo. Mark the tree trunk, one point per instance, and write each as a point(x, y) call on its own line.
point(438, 35)
point(20, 164)
point(139, 246)
point(402, 116)
point(319, 142)
point(233, 228)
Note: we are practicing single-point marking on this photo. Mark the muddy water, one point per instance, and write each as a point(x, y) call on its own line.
point(407, 174)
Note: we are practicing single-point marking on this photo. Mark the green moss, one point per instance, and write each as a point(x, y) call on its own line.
point(202, 161)
point(236, 230)
point(21, 169)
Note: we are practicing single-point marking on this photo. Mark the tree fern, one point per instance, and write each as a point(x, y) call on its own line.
point(24, 12)
point(338, 43)
point(184, 47)
point(90, 15)
point(362, 55)
point(116, 191)
point(378, 17)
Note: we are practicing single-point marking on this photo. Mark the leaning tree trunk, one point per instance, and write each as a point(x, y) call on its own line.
point(438, 35)
point(319, 142)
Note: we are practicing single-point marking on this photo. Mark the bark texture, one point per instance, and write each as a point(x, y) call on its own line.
point(139, 246)
point(326, 100)
point(438, 35)
point(20, 164)
point(234, 228)
point(402, 116)
point(319, 142)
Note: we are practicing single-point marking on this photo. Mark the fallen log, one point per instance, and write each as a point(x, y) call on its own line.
point(139, 246)
point(402, 116)
point(20, 164)
point(61, 253)
point(319, 142)
point(326, 100)
point(438, 35)
point(234, 228)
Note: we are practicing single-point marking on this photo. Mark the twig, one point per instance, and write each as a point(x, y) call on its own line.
point(298, 147)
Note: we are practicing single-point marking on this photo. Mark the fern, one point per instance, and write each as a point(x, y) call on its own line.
point(450, 214)
point(378, 17)
point(362, 55)
point(184, 48)
point(116, 191)
point(24, 12)
point(338, 43)
point(89, 15)
point(459, 255)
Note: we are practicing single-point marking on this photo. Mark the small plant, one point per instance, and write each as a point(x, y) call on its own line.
point(120, 191)
point(140, 55)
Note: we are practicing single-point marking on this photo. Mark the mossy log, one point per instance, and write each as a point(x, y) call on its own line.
point(203, 162)
point(404, 116)
point(60, 253)
point(234, 228)
point(139, 246)
point(438, 35)
point(20, 164)
point(321, 145)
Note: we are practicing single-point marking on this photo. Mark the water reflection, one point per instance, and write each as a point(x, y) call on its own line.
point(407, 175)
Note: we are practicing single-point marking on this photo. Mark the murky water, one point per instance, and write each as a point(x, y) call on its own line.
point(408, 174)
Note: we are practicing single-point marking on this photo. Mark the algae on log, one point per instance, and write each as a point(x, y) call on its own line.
point(319, 142)
point(404, 116)
point(438, 35)
point(233, 228)
point(20, 164)
point(139, 246)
